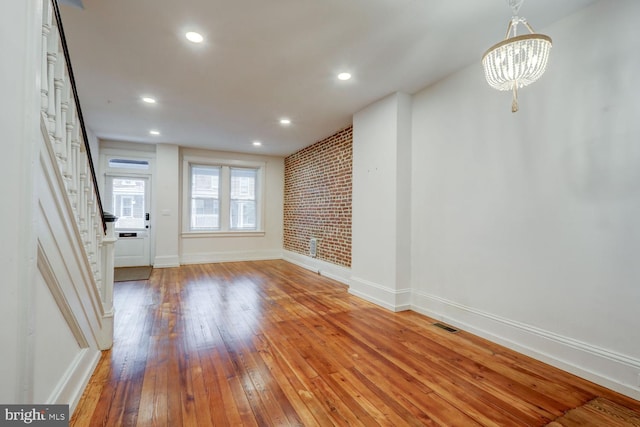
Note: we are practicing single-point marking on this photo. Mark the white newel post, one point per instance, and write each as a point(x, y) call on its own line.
point(108, 263)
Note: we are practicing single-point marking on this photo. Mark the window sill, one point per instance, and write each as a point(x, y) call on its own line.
point(208, 234)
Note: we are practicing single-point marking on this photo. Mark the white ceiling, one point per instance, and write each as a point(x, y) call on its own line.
point(267, 59)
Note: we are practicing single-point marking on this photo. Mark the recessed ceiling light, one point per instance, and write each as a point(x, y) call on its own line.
point(285, 121)
point(194, 37)
point(257, 143)
point(149, 100)
point(154, 132)
point(344, 76)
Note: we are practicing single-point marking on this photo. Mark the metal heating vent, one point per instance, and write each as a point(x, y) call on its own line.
point(313, 247)
point(445, 327)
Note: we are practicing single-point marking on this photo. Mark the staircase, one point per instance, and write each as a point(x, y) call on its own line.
point(58, 308)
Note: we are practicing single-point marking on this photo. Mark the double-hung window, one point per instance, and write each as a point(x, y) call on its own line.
point(222, 196)
point(205, 197)
point(242, 199)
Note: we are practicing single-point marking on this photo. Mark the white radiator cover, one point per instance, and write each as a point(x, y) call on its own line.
point(313, 247)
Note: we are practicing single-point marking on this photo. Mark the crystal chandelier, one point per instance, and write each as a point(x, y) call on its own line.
point(517, 61)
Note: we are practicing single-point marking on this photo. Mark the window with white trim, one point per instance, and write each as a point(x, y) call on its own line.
point(242, 197)
point(222, 196)
point(205, 201)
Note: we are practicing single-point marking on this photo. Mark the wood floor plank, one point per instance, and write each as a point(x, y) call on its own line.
point(266, 343)
point(432, 370)
point(297, 394)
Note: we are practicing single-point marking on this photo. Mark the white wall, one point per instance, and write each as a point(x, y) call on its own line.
point(527, 226)
point(19, 121)
point(166, 203)
point(94, 146)
point(203, 248)
point(381, 199)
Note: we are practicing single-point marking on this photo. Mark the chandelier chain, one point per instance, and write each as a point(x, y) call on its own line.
point(515, 5)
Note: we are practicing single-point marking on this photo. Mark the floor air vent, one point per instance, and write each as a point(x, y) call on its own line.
point(445, 327)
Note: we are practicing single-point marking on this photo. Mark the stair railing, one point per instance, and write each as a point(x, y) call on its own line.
point(67, 135)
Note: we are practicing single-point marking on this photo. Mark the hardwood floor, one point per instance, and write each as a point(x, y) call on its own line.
point(270, 344)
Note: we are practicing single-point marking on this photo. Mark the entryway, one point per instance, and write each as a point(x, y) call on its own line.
point(128, 198)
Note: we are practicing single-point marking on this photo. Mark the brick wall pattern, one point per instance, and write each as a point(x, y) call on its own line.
point(317, 198)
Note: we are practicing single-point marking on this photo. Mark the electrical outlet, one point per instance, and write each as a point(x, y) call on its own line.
point(638, 381)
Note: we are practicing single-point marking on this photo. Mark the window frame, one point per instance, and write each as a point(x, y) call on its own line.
point(129, 198)
point(224, 197)
point(240, 199)
point(191, 198)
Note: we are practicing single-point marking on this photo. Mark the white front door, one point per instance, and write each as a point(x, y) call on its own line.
point(127, 198)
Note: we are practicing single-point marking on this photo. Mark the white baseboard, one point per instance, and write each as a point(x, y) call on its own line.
point(605, 367)
point(72, 384)
point(105, 341)
point(391, 299)
point(215, 257)
point(332, 271)
point(166, 261)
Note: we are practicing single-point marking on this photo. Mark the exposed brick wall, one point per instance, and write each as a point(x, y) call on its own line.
point(317, 198)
